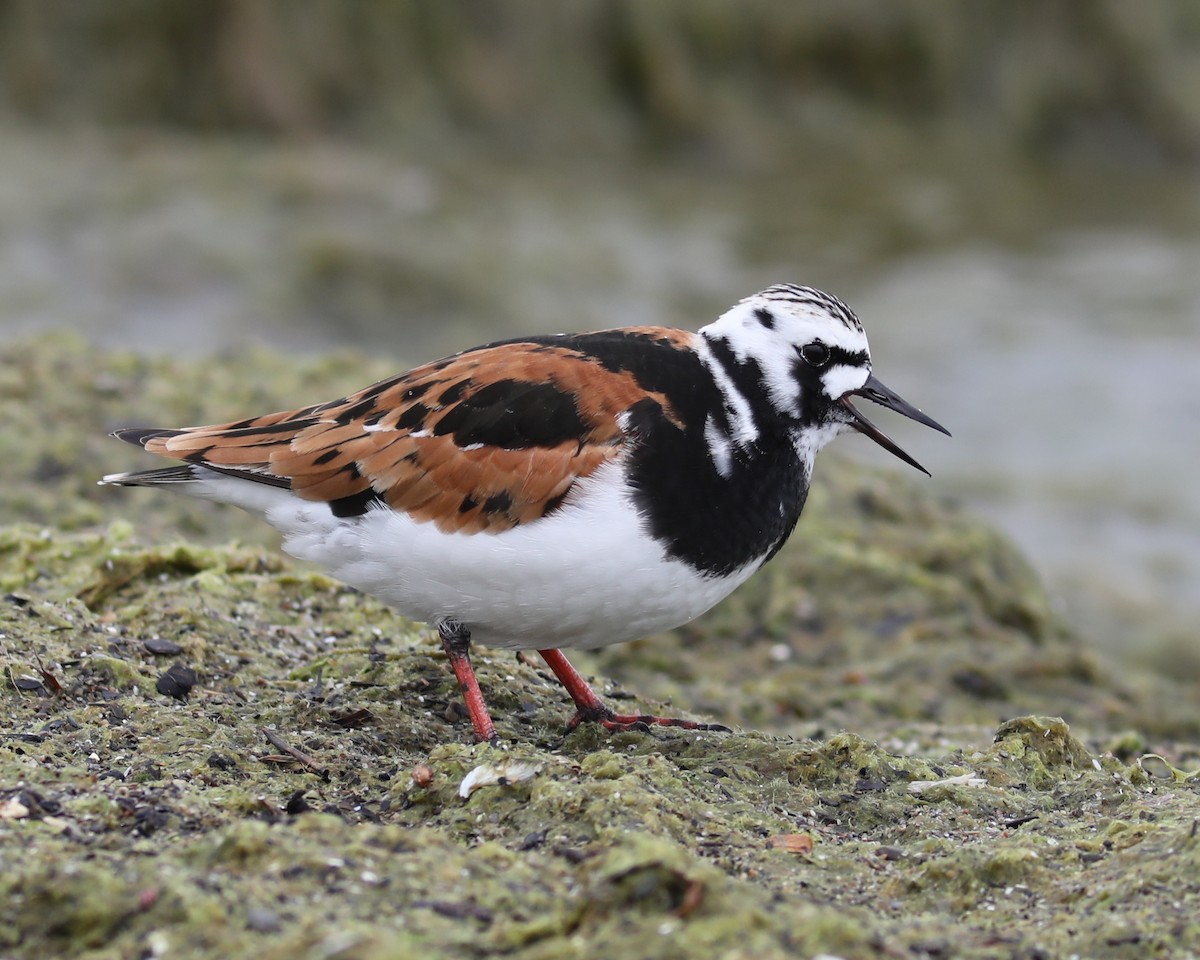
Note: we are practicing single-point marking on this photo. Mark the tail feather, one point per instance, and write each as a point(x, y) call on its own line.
point(139, 436)
point(184, 473)
point(198, 470)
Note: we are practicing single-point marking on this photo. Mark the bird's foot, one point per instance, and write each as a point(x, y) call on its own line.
point(591, 709)
point(456, 641)
point(641, 722)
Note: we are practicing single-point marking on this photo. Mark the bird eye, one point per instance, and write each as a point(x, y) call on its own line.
point(815, 354)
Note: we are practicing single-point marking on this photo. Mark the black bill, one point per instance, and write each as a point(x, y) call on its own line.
point(876, 392)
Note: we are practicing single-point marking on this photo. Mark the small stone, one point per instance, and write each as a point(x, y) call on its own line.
point(791, 842)
point(13, 809)
point(297, 804)
point(422, 775)
point(262, 920)
point(177, 682)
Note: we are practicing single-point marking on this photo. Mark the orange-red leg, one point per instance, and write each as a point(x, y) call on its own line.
point(591, 709)
point(456, 641)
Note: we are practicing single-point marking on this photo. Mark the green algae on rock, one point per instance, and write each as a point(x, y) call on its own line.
point(950, 810)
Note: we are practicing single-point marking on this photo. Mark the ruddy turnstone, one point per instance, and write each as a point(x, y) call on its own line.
point(577, 490)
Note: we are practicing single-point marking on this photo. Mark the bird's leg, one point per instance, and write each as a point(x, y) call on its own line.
point(591, 709)
point(456, 641)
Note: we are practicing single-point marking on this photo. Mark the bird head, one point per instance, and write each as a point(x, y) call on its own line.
point(808, 352)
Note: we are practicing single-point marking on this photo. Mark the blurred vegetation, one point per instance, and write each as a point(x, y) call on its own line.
point(740, 82)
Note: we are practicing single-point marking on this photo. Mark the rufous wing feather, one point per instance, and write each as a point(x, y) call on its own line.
point(481, 441)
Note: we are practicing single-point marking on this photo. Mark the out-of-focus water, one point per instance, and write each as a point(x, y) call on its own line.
point(1061, 348)
point(1068, 373)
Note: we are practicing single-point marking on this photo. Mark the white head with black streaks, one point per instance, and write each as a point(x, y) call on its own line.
point(799, 339)
point(807, 352)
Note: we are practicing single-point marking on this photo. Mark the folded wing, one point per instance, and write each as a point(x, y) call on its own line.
point(481, 441)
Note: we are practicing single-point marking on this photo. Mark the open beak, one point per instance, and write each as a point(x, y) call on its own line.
point(876, 392)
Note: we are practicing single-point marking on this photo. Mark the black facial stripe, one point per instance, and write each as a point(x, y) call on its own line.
point(813, 403)
point(765, 317)
point(840, 356)
point(747, 378)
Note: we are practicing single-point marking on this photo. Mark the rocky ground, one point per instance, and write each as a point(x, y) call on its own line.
point(210, 751)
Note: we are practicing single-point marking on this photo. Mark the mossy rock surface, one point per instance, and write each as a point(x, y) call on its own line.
point(926, 761)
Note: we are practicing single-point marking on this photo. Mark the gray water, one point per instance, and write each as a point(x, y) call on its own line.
point(1070, 374)
point(1053, 326)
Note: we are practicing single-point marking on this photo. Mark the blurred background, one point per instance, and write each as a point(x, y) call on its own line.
point(1007, 192)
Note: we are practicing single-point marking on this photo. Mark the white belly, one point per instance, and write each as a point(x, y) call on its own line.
point(588, 575)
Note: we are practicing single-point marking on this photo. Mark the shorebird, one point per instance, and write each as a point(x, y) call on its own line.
point(577, 490)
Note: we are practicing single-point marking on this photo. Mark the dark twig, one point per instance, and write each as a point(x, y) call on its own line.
point(299, 755)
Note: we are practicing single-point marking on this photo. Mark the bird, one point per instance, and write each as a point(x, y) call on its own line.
point(561, 491)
